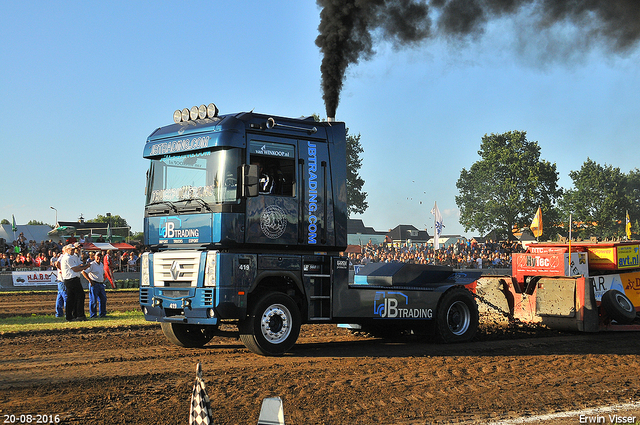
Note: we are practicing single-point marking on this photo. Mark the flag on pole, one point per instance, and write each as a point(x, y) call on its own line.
point(570, 226)
point(438, 225)
point(200, 411)
point(14, 228)
point(536, 224)
point(108, 232)
point(627, 226)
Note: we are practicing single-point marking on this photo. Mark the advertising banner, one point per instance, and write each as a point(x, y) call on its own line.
point(31, 278)
point(602, 258)
point(614, 257)
point(539, 264)
point(627, 256)
point(628, 283)
point(529, 264)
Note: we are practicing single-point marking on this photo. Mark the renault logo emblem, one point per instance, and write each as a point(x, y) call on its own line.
point(175, 270)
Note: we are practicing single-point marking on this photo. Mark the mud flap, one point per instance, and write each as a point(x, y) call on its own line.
point(566, 303)
point(587, 307)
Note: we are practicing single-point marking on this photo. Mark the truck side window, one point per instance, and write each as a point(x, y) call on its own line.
point(276, 176)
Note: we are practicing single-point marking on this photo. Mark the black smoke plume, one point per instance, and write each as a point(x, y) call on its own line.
point(348, 27)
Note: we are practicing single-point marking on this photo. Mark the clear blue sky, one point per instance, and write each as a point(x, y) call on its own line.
point(84, 84)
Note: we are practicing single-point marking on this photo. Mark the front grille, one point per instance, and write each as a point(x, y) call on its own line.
point(144, 296)
point(207, 297)
point(176, 268)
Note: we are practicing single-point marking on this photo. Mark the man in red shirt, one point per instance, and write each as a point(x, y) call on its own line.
point(107, 269)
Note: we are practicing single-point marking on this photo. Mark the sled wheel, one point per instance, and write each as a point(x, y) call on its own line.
point(186, 335)
point(457, 316)
point(618, 306)
point(273, 325)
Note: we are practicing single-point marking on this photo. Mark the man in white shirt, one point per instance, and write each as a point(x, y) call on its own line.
point(97, 295)
point(70, 267)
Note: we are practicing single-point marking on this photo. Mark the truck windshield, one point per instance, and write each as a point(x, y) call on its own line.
point(205, 176)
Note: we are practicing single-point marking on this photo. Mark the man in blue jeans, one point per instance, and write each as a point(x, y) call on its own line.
point(61, 299)
point(97, 295)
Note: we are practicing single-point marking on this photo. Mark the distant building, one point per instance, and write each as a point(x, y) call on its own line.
point(446, 240)
point(359, 234)
point(406, 233)
point(72, 231)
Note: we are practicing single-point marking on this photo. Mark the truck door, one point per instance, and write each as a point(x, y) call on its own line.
point(272, 216)
point(316, 194)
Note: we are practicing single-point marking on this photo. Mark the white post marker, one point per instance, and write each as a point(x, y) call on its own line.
point(271, 412)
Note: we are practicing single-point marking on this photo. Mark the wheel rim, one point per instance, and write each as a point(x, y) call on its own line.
point(624, 303)
point(458, 318)
point(276, 323)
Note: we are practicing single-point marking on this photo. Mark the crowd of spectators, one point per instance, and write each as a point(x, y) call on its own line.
point(31, 255)
point(463, 254)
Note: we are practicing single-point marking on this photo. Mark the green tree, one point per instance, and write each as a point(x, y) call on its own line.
point(5, 221)
point(504, 189)
point(137, 236)
point(37, 223)
point(633, 197)
point(356, 198)
point(598, 200)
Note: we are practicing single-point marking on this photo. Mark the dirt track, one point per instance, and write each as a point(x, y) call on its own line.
point(135, 376)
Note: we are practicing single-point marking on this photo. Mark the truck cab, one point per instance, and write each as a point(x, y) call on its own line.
point(241, 208)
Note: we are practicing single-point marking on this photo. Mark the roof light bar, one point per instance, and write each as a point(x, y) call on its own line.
point(195, 113)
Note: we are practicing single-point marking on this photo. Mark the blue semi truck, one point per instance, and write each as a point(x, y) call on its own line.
point(246, 220)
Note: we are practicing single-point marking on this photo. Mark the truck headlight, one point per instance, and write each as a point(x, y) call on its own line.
point(144, 269)
point(210, 269)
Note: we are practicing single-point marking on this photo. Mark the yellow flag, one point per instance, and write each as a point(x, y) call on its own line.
point(628, 226)
point(536, 224)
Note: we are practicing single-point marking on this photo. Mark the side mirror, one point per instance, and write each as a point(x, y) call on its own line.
point(249, 180)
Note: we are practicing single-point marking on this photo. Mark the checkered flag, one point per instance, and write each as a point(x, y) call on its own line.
point(200, 411)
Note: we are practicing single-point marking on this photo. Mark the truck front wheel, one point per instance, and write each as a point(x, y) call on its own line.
point(186, 335)
point(273, 325)
point(457, 316)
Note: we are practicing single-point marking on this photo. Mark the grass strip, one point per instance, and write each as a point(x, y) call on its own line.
point(50, 322)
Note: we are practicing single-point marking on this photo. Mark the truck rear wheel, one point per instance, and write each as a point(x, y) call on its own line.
point(273, 325)
point(186, 335)
point(457, 316)
point(618, 306)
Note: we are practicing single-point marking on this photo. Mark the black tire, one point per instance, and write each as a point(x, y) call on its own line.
point(618, 306)
point(273, 325)
point(186, 335)
point(457, 316)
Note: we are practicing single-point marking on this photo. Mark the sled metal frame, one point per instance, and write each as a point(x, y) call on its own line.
point(559, 302)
